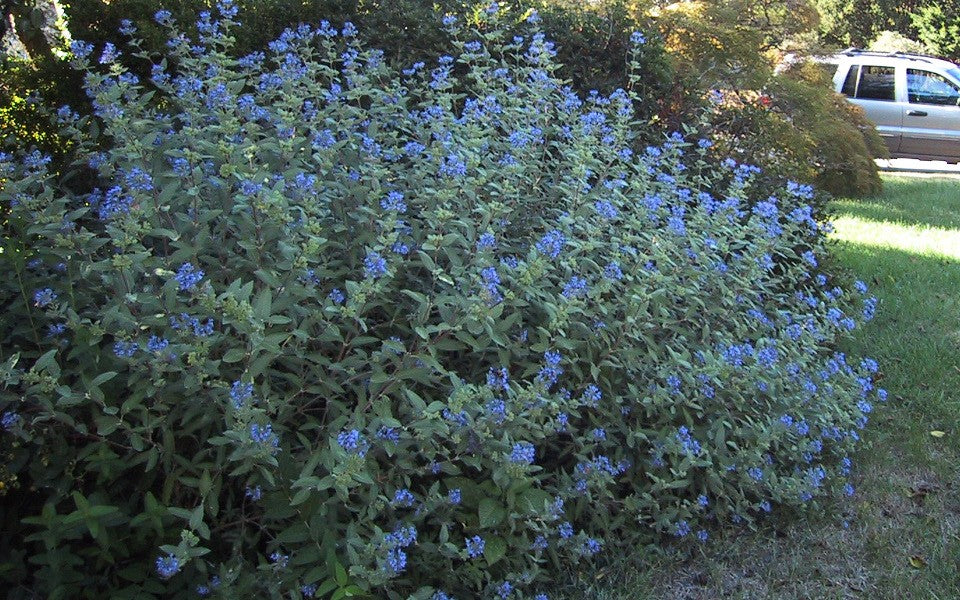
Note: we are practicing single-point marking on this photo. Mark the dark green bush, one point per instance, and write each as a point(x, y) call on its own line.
point(322, 327)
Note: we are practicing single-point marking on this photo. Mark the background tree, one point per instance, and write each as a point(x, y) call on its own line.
point(938, 26)
point(858, 22)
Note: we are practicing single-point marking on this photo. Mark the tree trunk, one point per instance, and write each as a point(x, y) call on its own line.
point(34, 29)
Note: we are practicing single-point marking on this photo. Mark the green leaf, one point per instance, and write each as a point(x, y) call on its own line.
point(532, 500)
point(491, 512)
point(262, 304)
point(234, 355)
point(494, 549)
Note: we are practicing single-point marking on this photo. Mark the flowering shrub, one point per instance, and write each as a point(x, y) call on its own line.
point(312, 312)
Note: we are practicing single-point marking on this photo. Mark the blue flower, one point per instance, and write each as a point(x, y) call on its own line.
point(396, 560)
point(702, 535)
point(637, 38)
point(592, 546)
point(703, 501)
point(125, 349)
point(453, 166)
point(254, 493)
point(10, 420)
point(767, 357)
point(240, 393)
point(337, 296)
point(498, 379)
point(374, 266)
point(157, 344)
point(540, 543)
point(168, 566)
point(506, 588)
point(681, 529)
point(522, 453)
point(475, 546)
point(675, 222)
point(612, 271)
point(81, 49)
point(869, 308)
point(353, 441)
point(687, 442)
point(56, 329)
point(755, 473)
point(591, 395)
point(188, 276)
point(454, 496)
point(486, 240)
point(44, 297)
point(599, 434)
point(389, 434)
point(402, 536)
point(565, 530)
point(263, 434)
point(673, 383)
point(279, 559)
point(577, 286)
point(403, 497)
point(551, 243)
point(491, 281)
point(394, 202)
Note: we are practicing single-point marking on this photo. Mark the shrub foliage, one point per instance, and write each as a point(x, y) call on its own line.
point(301, 324)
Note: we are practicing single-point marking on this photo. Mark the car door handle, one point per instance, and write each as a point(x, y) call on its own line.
point(917, 113)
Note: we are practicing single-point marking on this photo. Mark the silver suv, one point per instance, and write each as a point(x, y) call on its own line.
point(913, 99)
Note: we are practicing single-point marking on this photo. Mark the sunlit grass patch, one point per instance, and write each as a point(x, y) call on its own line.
point(917, 239)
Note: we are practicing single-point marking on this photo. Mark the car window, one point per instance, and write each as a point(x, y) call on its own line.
point(876, 83)
point(924, 87)
point(850, 83)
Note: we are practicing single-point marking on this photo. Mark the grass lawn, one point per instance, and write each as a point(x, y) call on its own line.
point(903, 538)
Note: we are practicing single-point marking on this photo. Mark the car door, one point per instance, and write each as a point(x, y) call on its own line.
point(873, 88)
point(931, 123)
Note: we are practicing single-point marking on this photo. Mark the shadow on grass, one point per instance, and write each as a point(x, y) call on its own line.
point(933, 202)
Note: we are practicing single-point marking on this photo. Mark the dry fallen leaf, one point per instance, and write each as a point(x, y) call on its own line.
point(917, 562)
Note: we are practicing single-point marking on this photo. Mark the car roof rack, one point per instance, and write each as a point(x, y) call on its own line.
point(914, 55)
